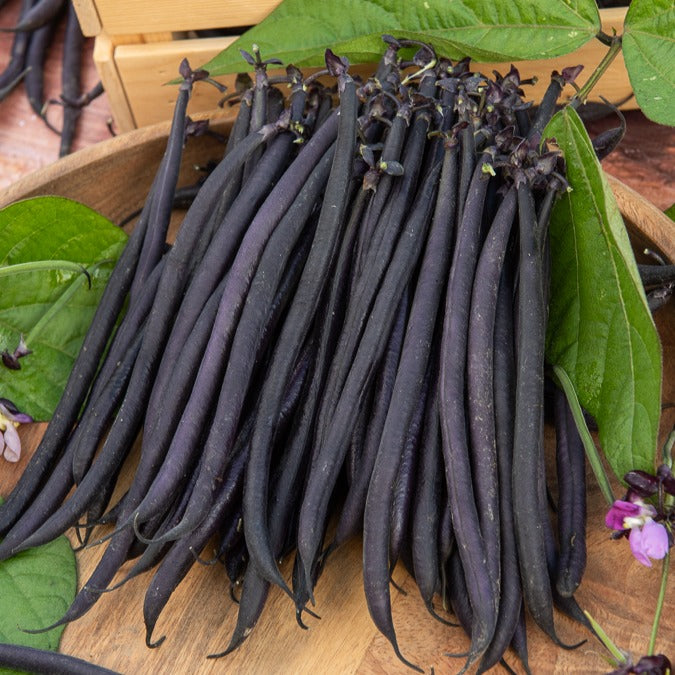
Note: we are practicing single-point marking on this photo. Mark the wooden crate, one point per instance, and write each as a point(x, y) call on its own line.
point(139, 46)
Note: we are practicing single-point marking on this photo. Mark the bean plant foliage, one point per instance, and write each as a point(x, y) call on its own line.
point(649, 52)
point(486, 31)
point(36, 587)
point(600, 328)
point(55, 259)
point(298, 32)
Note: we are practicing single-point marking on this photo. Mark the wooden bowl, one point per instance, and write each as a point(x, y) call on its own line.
point(113, 177)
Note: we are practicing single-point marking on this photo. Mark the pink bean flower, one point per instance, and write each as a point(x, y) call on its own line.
point(648, 539)
point(10, 419)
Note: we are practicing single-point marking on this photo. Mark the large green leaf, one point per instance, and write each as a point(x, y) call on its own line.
point(600, 329)
point(299, 31)
point(44, 245)
point(649, 53)
point(36, 588)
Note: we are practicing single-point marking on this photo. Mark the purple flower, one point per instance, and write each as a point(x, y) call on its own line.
point(10, 418)
point(648, 541)
point(625, 515)
point(647, 538)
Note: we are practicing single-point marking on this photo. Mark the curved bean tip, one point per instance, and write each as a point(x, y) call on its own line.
point(298, 618)
point(205, 562)
point(36, 631)
point(304, 608)
point(438, 617)
point(410, 664)
point(236, 641)
point(148, 639)
point(399, 588)
point(309, 585)
point(136, 525)
point(196, 128)
point(507, 667)
point(104, 538)
point(233, 597)
point(567, 646)
point(9, 361)
point(457, 655)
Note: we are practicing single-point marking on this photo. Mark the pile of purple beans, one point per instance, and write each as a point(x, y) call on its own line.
point(345, 338)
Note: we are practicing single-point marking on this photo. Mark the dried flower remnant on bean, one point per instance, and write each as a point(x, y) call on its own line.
point(11, 360)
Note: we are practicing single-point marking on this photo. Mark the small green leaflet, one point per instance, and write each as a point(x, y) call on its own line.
point(299, 31)
point(600, 329)
point(670, 212)
point(36, 588)
point(45, 244)
point(649, 53)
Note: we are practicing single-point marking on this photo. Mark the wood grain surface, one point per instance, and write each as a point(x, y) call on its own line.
point(617, 590)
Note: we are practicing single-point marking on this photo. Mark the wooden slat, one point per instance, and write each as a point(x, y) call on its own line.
point(131, 16)
point(104, 60)
point(146, 68)
point(90, 22)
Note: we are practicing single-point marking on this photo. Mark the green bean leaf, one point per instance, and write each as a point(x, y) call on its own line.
point(51, 248)
point(299, 31)
point(600, 329)
point(36, 588)
point(649, 53)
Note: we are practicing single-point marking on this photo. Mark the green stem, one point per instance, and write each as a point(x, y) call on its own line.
point(64, 298)
point(41, 266)
point(417, 74)
point(618, 655)
point(667, 457)
point(668, 449)
point(612, 53)
point(591, 451)
point(659, 603)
